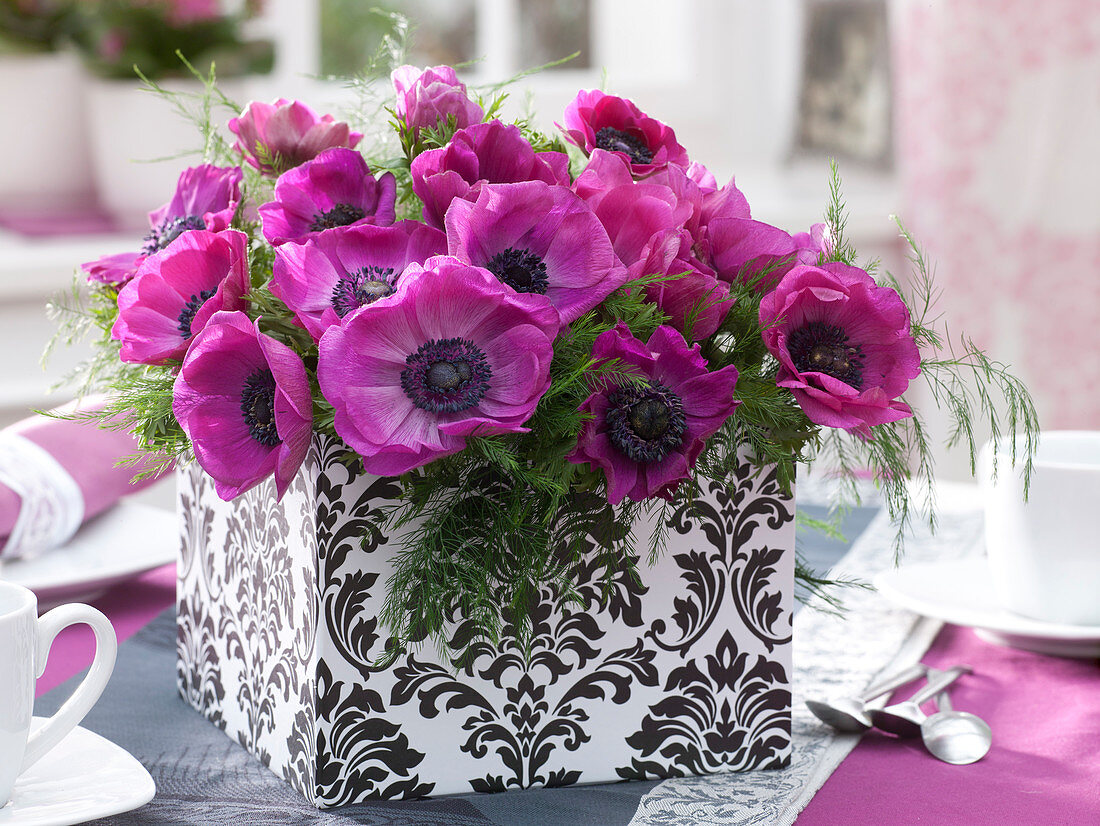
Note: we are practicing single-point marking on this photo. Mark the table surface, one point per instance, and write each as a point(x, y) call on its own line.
point(1044, 767)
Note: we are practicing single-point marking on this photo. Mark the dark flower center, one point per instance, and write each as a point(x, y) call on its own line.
point(168, 231)
point(446, 375)
point(646, 423)
point(615, 140)
point(824, 348)
point(258, 407)
point(521, 270)
point(366, 286)
point(187, 314)
point(339, 216)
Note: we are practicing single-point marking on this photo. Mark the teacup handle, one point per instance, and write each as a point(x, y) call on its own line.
point(80, 703)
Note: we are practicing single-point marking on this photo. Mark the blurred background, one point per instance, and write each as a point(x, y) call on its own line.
point(977, 122)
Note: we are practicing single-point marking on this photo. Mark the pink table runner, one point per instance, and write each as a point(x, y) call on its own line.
point(1043, 769)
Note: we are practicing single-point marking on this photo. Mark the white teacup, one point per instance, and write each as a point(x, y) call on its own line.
point(1044, 554)
point(25, 640)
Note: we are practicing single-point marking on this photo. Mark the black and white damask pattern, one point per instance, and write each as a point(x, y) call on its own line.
point(686, 671)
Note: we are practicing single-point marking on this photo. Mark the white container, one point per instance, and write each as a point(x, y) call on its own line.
point(1044, 554)
point(685, 672)
point(44, 157)
point(141, 143)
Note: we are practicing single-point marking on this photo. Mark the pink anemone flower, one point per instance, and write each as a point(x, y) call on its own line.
point(335, 189)
point(485, 153)
point(244, 400)
point(116, 269)
point(336, 273)
point(275, 137)
point(595, 120)
point(175, 292)
point(647, 224)
point(537, 238)
point(646, 436)
point(426, 97)
point(844, 346)
point(206, 197)
point(452, 354)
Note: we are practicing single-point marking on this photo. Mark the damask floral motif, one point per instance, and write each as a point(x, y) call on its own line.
point(743, 705)
point(198, 671)
point(196, 525)
point(734, 567)
point(523, 728)
point(365, 754)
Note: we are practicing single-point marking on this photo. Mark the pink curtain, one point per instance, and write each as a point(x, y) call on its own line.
point(998, 131)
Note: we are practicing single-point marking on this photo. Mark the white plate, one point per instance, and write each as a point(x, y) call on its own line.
point(121, 543)
point(960, 591)
point(84, 777)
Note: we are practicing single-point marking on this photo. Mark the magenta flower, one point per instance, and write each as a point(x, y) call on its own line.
point(245, 403)
point(484, 153)
point(741, 250)
point(451, 354)
point(598, 121)
point(115, 269)
point(843, 344)
point(695, 299)
point(537, 238)
point(647, 224)
point(175, 292)
point(646, 436)
point(745, 251)
point(810, 246)
point(609, 171)
point(335, 189)
point(206, 197)
point(427, 96)
point(720, 202)
point(336, 273)
point(275, 137)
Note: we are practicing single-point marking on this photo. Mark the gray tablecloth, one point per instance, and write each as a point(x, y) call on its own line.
point(203, 777)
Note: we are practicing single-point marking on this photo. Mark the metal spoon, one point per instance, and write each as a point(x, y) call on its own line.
point(904, 719)
point(957, 737)
point(849, 714)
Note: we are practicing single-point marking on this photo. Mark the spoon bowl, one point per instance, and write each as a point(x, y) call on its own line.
point(849, 714)
point(905, 718)
point(956, 737)
point(845, 714)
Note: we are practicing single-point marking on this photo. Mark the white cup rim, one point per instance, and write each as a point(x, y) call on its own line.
point(15, 599)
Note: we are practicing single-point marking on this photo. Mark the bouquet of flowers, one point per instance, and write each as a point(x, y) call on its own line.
point(117, 35)
point(538, 335)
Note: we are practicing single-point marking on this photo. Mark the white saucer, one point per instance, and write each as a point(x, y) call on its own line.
point(84, 777)
point(121, 543)
point(961, 592)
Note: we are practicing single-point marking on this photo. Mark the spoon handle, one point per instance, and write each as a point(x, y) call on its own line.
point(943, 702)
point(907, 675)
point(939, 682)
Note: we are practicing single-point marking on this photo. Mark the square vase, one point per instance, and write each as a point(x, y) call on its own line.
point(685, 671)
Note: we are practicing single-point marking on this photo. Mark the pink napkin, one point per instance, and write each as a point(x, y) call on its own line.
point(1044, 767)
point(88, 454)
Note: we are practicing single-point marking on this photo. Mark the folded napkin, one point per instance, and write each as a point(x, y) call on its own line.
point(57, 473)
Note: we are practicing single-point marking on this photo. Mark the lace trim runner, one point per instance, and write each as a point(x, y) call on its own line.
point(53, 506)
point(832, 656)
